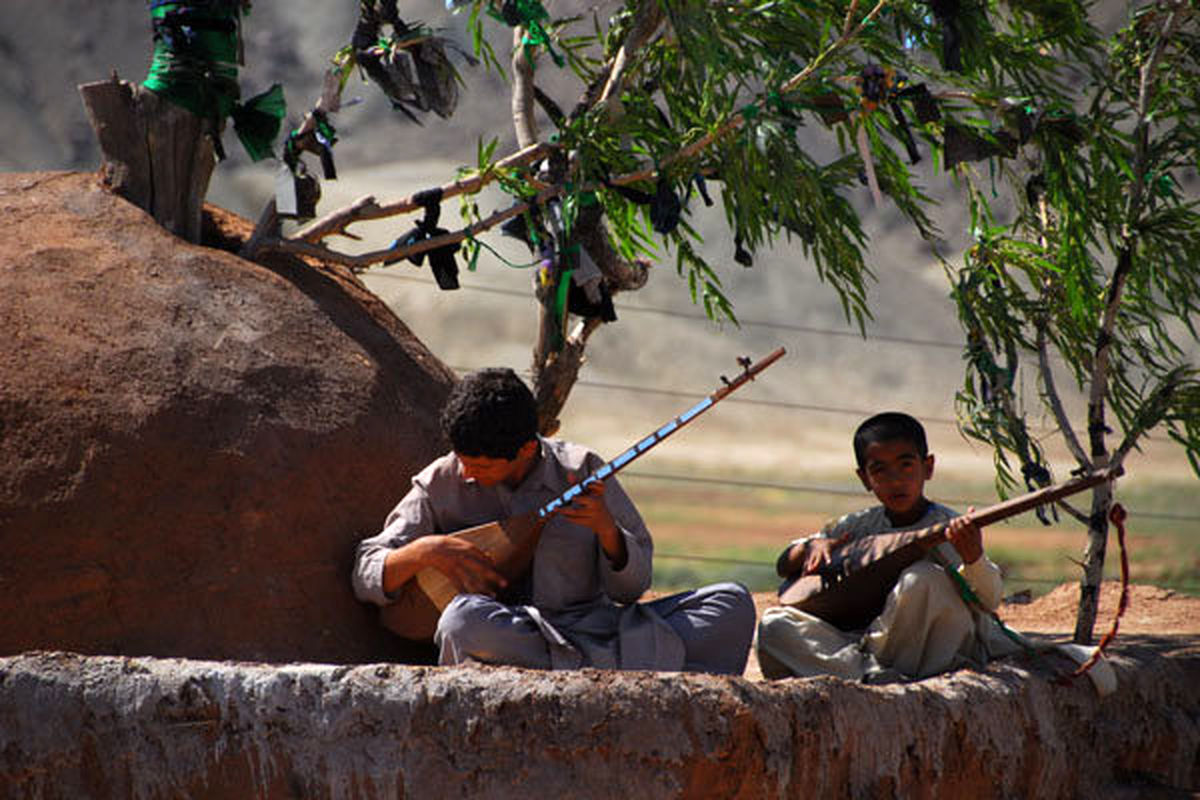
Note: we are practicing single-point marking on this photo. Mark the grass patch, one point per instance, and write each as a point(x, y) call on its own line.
point(710, 532)
point(754, 567)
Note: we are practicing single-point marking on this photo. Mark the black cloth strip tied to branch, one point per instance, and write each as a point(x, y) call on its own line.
point(410, 67)
point(319, 141)
point(568, 281)
point(961, 144)
point(665, 206)
point(925, 105)
point(884, 86)
point(299, 199)
point(441, 260)
point(946, 12)
point(701, 187)
point(740, 254)
point(1023, 121)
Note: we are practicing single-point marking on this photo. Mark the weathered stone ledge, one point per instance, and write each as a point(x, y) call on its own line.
point(105, 726)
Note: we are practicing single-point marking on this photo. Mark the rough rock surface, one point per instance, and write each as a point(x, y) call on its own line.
point(73, 726)
point(191, 444)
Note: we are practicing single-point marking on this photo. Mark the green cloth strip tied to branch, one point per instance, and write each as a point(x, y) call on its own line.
point(528, 14)
point(197, 52)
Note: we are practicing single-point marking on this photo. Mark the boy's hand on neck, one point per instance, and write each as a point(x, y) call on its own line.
point(965, 535)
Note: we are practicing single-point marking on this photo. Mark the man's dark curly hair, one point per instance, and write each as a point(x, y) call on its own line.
point(888, 427)
point(490, 413)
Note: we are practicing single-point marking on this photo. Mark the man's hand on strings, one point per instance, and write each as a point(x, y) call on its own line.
point(966, 536)
point(468, 567)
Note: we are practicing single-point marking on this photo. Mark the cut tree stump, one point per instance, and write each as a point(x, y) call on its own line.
point(157, 155)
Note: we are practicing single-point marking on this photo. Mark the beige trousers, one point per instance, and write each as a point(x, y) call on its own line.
point(925, 628)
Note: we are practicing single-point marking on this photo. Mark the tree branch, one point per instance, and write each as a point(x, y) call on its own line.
point(1150, 413)
point(1133, 210)
point(556, 365)
point(366, 208)
point(1072, 511)
point(363, 261)
point(1093, 567)
point(647, 20)
point(556, 373)
point(1050, 394)
point(850, 17)
point(734, 123)
point(524, 121)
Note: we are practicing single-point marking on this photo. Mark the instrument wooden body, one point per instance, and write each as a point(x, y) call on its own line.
point(851, 591)
point(420, 601)
point(511, 542)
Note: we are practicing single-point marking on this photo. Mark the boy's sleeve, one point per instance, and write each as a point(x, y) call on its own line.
point(982, 575)
point(985, 580)
point(782, 561)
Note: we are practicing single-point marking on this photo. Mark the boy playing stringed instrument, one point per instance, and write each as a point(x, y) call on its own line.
point(575, 605)
point(925, 626)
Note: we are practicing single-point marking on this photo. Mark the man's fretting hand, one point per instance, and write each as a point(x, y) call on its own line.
point(589, 510)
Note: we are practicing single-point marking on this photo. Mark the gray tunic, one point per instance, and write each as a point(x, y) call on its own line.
point(573, 594)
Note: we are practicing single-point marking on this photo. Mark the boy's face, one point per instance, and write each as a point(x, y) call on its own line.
point(895, 472)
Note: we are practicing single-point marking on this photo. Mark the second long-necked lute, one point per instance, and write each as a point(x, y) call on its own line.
point(851, 590)
point(511, 542)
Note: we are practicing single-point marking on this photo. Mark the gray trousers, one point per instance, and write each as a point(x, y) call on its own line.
point(715, 624)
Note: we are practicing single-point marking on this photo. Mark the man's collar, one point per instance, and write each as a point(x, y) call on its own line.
point(542, 475)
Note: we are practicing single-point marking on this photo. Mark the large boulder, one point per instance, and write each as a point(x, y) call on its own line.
point(191, 444)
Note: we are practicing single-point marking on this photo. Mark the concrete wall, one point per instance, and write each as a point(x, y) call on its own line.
point(75, 726)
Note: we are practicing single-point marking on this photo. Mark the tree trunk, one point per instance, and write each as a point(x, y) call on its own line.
point(1093, 564)
point(157, 155)
point(557, 372)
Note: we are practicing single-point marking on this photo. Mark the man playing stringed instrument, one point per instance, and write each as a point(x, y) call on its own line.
point(575, 605)
point(925, 626)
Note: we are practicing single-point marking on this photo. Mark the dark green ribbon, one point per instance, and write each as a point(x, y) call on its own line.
point(528, 14)
point(195, 66)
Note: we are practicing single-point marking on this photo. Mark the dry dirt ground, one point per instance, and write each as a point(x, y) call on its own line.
point(1150, 610)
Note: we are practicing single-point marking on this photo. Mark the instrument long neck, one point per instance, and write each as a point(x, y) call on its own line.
point(627, 457)
point(1025, 502)
point(648, 442)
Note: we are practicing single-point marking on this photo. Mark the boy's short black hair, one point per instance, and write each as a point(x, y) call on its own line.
point(490, 413)
point(887, 427)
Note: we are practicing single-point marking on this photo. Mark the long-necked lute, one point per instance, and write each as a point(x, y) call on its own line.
point(851, 590)
point(511, 542)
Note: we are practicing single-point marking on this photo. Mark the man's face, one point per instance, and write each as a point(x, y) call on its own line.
point(895, 472)
point(489, 471)
point(484, 470)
